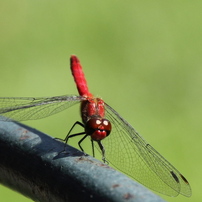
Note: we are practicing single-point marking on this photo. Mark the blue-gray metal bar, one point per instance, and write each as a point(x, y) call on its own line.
point(31, 163)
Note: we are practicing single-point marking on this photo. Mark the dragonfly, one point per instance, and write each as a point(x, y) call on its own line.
point(119, 143)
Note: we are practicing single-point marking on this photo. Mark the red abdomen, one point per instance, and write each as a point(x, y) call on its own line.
point(79, 77)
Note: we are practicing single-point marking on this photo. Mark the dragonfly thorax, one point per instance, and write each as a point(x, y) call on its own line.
point(92, 107)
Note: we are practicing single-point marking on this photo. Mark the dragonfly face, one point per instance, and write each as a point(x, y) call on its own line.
point(98, 128)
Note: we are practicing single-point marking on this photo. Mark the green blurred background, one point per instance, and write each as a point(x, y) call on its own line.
point(142, 57)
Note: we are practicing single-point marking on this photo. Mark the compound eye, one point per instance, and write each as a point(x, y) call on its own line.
point(107, 125)
point(98, 128)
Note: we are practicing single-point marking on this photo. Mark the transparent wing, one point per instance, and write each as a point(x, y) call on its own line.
point(21, 109)
point(127, 151)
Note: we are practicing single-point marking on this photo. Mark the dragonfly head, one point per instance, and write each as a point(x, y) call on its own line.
point(98, 128)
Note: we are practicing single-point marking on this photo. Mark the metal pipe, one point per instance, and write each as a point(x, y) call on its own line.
point(31, 163)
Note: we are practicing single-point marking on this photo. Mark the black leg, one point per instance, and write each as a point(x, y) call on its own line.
point(92, 143)
point(80, 141)
point(73, 135)
point(103, 151)
point(69, 136)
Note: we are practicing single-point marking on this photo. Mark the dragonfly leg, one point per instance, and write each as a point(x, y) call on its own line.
point(80, 141)
point(69, 136)
point(103, 152)
point(73, 135)
point(92, 142)
point(66, 139)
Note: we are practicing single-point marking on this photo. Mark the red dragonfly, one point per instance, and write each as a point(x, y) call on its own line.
point(125, 148)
